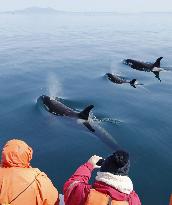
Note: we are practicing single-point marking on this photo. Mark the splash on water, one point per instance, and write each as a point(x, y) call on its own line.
point(112, 121)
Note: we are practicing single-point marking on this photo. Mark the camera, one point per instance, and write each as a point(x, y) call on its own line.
point(100, 162)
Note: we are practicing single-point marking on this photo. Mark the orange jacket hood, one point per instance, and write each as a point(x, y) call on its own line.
point(16, 153)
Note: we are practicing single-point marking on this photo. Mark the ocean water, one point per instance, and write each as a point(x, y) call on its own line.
point(67, 56)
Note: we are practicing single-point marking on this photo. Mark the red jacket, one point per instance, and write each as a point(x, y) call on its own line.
point(76, 189)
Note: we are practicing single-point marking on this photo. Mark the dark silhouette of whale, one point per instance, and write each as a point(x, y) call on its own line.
point(119, 80)
point(147, 67)
point(57, 108)
point(138, 65)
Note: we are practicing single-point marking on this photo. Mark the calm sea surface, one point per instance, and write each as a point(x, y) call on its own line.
point(67, 57)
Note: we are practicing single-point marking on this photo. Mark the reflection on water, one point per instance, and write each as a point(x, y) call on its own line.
point(66, 57)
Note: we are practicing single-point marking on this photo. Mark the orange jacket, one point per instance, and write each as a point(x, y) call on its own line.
point(170, 200)
point(19, 183)
point(98, 198)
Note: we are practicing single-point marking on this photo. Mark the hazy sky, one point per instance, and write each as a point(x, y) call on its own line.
point(91, 5)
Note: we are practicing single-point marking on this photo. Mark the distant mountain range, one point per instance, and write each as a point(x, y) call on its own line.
point(34, 10)
point(39, 10)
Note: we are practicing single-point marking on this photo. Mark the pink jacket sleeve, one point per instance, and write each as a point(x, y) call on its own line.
point(76, 188)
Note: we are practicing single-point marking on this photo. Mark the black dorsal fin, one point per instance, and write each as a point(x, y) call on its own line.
point(85, 113)
point(157, 63)
point(132, 82)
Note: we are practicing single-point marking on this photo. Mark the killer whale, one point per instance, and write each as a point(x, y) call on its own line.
point(119, 80)
point(147, 67)
point(139, 65)
point(58, 108)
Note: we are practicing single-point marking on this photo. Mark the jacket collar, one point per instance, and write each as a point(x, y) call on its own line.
point(121, 183)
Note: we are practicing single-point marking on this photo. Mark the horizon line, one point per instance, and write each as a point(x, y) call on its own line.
point(86, 11)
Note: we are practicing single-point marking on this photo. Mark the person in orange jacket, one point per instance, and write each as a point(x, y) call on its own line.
point(111, 187)
point(20, 184)
point(170, 200)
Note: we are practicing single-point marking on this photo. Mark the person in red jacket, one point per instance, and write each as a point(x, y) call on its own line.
point(112, 185)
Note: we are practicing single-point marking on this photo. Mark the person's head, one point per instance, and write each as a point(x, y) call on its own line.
point(16, 153)
point(118, 163)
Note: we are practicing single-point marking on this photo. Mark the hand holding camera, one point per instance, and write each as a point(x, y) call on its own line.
point(96, 161)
